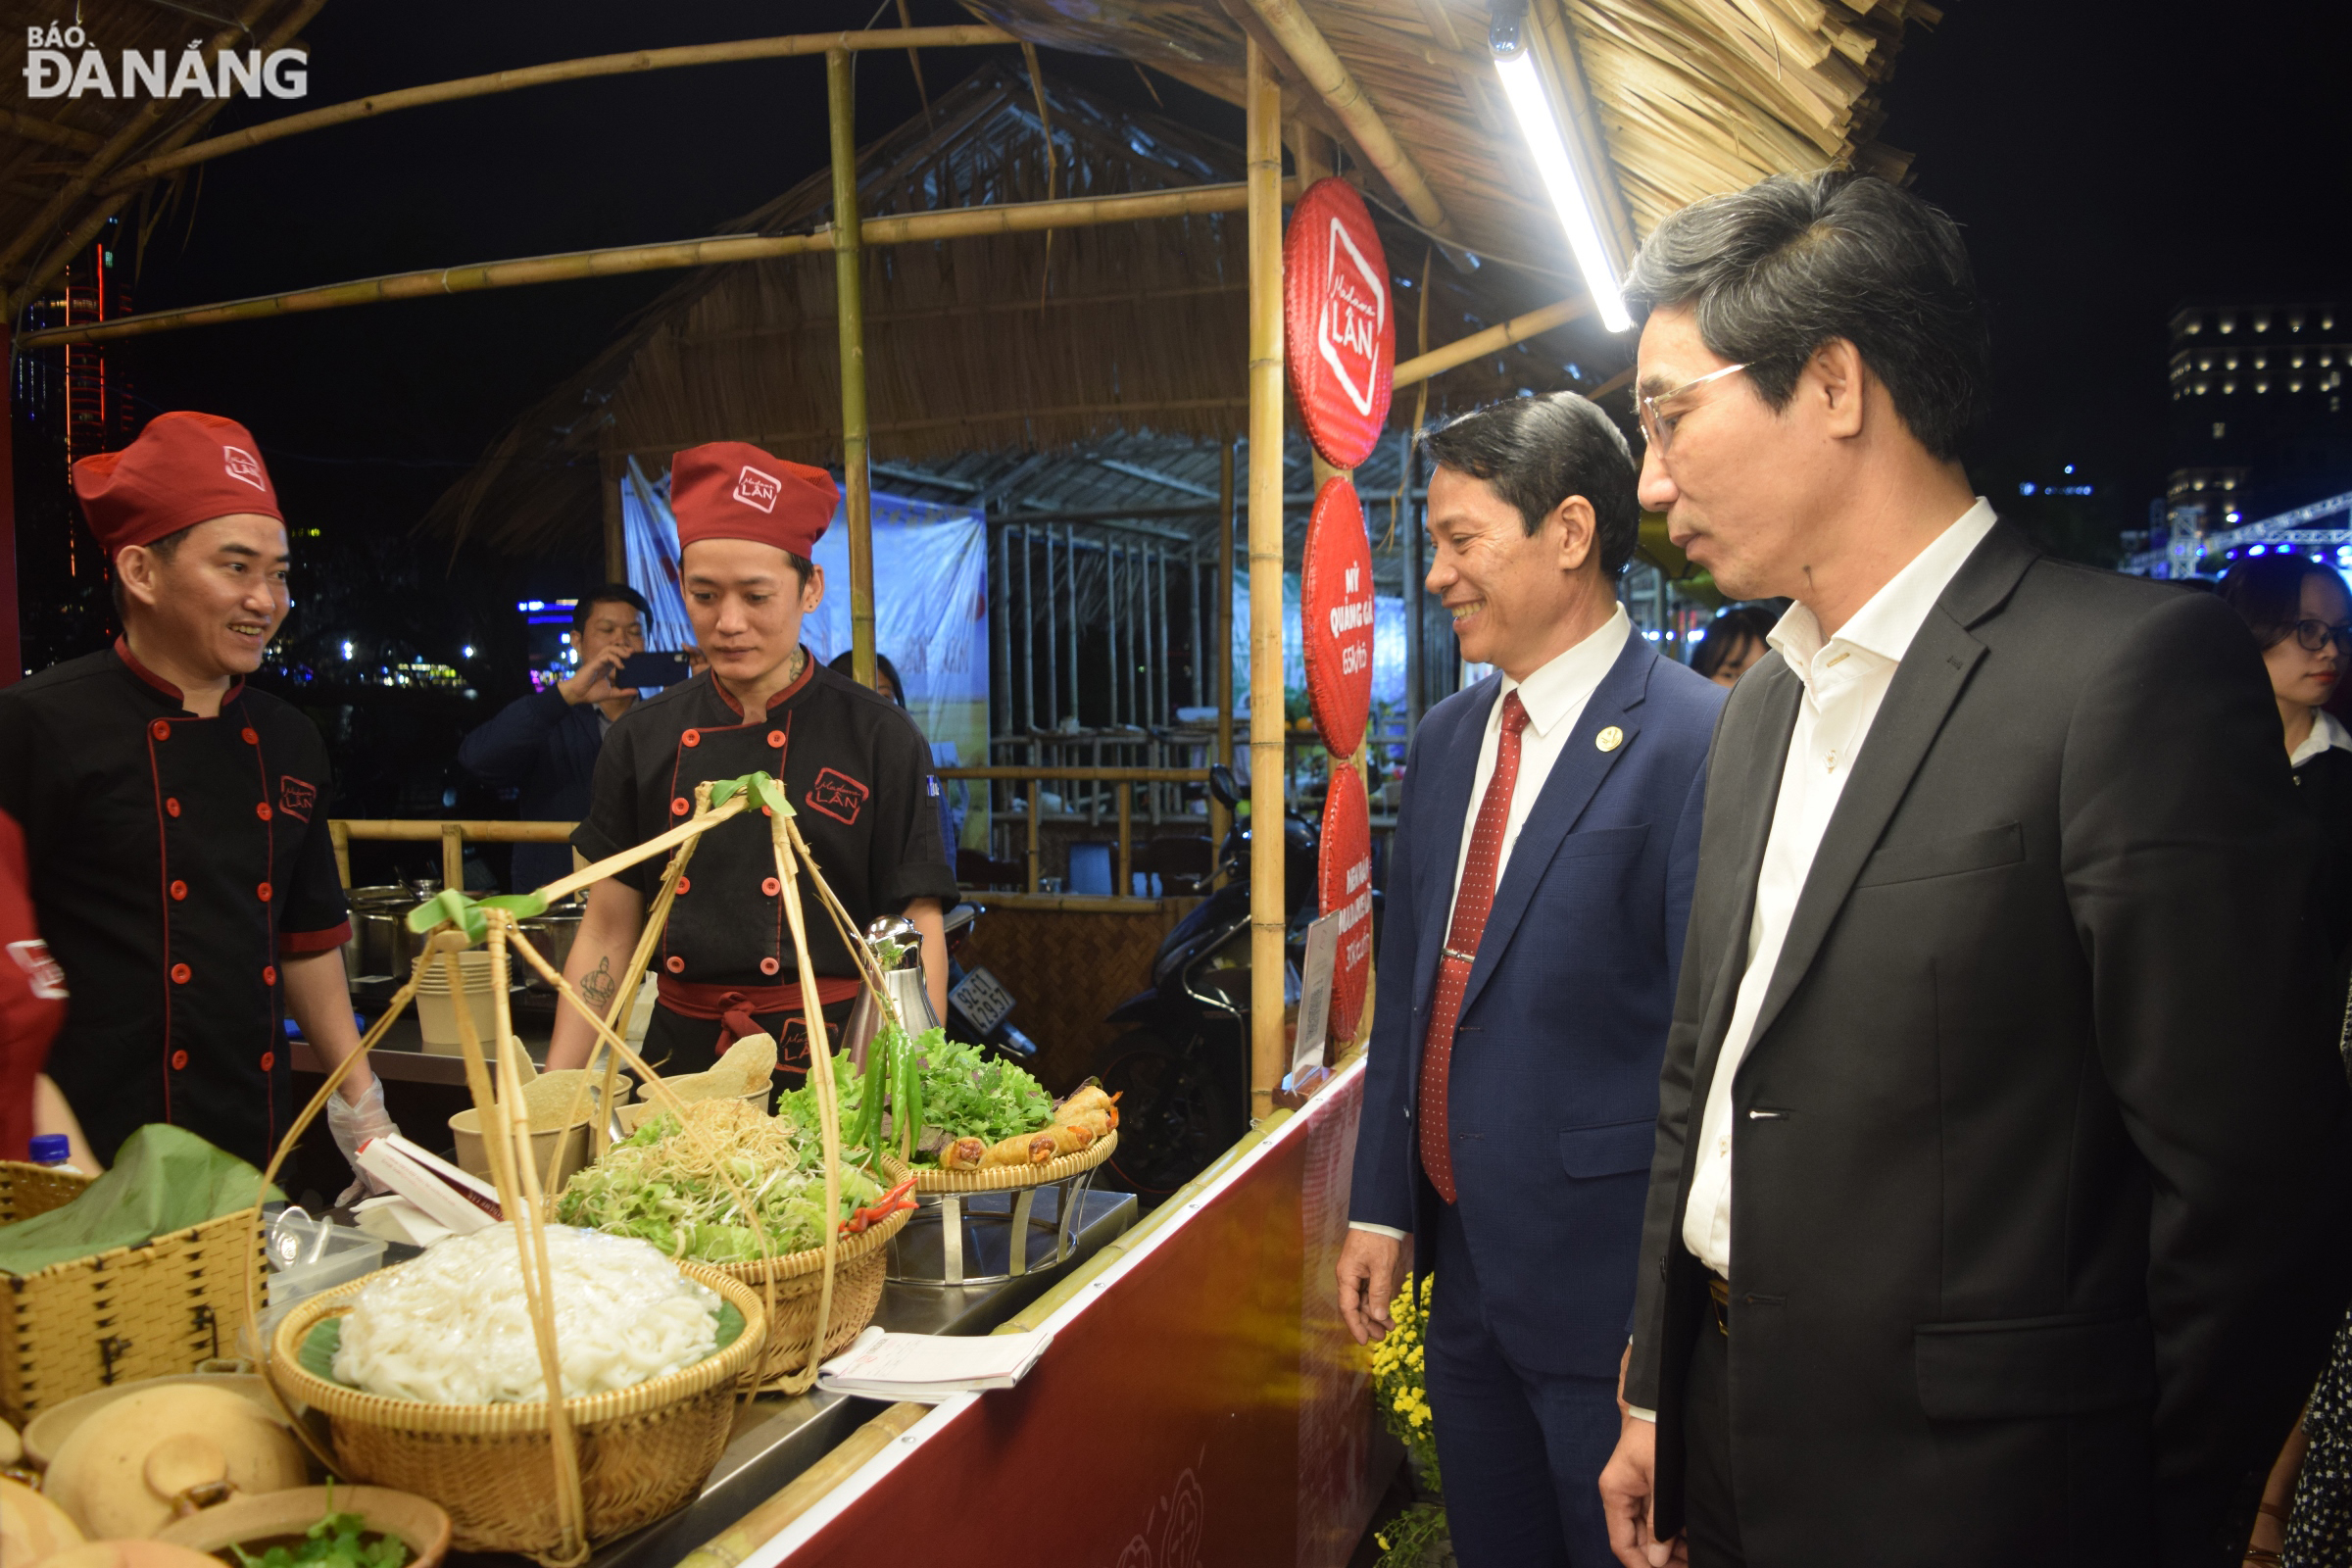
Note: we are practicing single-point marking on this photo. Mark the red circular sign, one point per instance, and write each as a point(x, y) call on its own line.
point(1335, 612)
point(1344, 886)
point(1338, 333)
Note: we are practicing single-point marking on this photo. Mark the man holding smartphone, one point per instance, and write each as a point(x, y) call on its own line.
point(545, 745)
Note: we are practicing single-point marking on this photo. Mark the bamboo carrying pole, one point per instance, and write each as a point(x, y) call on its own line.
point(914, 228)
point(642, 59)
point(848, 282)
point(1263, 153)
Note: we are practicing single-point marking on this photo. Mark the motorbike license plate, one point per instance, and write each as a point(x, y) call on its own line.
point(982, 1000)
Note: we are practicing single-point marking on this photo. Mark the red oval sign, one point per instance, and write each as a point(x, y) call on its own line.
point(1344, 886)
point(1334, 612)
point(1339, 334)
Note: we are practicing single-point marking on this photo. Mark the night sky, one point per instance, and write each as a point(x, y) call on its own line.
point(2107, 163)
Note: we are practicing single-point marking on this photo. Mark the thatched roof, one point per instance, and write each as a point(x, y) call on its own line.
point(1106, 350)
point(52, 179)
point(1695, 97)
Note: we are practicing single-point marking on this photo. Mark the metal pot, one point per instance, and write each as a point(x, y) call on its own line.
point(551, 934)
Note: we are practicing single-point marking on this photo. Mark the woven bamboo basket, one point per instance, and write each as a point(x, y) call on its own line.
point(643, 1451)
point(1003, 1178)
point(800, 1277)
point(134, 1312)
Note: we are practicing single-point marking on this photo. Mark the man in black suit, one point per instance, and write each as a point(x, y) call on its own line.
point(1996, 1211)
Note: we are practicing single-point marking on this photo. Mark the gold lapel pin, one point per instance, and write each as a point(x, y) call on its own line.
point(1608, 740)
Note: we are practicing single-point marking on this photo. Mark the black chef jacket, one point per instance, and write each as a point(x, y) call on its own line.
point(173, 861)
point(859, 776)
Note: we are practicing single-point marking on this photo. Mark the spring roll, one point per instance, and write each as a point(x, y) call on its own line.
point(1022, 1149)
point(1068, 1139)
point(1084, 1100)
point(962, 1154)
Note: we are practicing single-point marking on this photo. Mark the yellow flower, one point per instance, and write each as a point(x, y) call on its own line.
point(1383, 1539)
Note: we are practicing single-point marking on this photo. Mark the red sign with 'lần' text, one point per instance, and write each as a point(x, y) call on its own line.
point(1344, 886)
point(1335, 613)
point(1339, 334)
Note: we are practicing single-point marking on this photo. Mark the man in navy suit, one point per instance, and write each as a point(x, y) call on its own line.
point(1539, 885)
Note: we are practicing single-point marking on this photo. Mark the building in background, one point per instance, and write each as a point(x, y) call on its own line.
point(2259, 429)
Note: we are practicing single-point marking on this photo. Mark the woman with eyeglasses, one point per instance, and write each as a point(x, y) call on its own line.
point(2301, 616)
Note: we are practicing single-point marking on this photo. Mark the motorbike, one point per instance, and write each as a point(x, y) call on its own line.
point(1182, 1069)
point(979, 1007)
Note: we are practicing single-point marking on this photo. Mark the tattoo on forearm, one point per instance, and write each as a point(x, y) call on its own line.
point(599, 987)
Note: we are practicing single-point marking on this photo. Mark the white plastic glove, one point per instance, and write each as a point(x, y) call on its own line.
point(352, 1125)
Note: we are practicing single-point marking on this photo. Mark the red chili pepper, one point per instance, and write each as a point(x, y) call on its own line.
point(897, 1198)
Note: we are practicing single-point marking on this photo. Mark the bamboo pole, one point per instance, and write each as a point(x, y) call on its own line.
point(963, 222)
point(1519, 328)
point(1219, 819)
point(1032, 836)
point(428, 830)
point(1263, 153)
point(1344, 97)
point(614, 471)
point(453, 855)
point(32, 127)
point(1078, 775)
point(739, 1541)
point(643, 60)
point(94, 221)
point(848, 282)
point(338, 833)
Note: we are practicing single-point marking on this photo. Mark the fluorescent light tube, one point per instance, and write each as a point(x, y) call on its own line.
point(1550, 149)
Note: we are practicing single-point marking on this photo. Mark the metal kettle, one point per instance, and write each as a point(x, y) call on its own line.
point(899, 940)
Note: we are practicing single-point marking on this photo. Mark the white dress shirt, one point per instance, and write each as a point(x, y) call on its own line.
point(2325, 731)
point(1554, 697)
point(1845, 679)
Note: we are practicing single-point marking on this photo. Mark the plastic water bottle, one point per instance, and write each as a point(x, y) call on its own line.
point(54, 1150)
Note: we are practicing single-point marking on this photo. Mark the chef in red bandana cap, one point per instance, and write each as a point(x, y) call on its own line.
point(856, 768)
point(173, 819)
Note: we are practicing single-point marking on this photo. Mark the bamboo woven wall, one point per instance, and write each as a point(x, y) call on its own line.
point(1066, 971)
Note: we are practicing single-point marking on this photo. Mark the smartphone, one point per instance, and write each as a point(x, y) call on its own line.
point(652, 669)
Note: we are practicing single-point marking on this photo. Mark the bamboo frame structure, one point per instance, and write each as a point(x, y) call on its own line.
point(1263, 152)
point(1436, 361)
point(141, 123)
point(1219, 819)
point(784, 47)
point(1345, 98)
point(850, 312)
point(1013, 218)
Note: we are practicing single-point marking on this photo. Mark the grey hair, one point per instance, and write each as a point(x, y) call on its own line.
point(1794, 261)
point(1538, 451)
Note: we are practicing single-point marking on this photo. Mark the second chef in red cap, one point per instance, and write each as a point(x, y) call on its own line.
point(174, 819)
point(856, 768)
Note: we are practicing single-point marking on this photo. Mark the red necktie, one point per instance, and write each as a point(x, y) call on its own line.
point(1472, 902)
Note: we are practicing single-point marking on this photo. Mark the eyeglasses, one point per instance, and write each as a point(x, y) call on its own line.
point(1660, 427)
point(2313, 635)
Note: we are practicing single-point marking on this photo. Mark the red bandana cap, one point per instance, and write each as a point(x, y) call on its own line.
point(733, 490)
point(184, 469)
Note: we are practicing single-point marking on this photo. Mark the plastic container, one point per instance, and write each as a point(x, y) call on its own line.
point(339, 1256)
point(437, 1010)
point(54, 1152)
